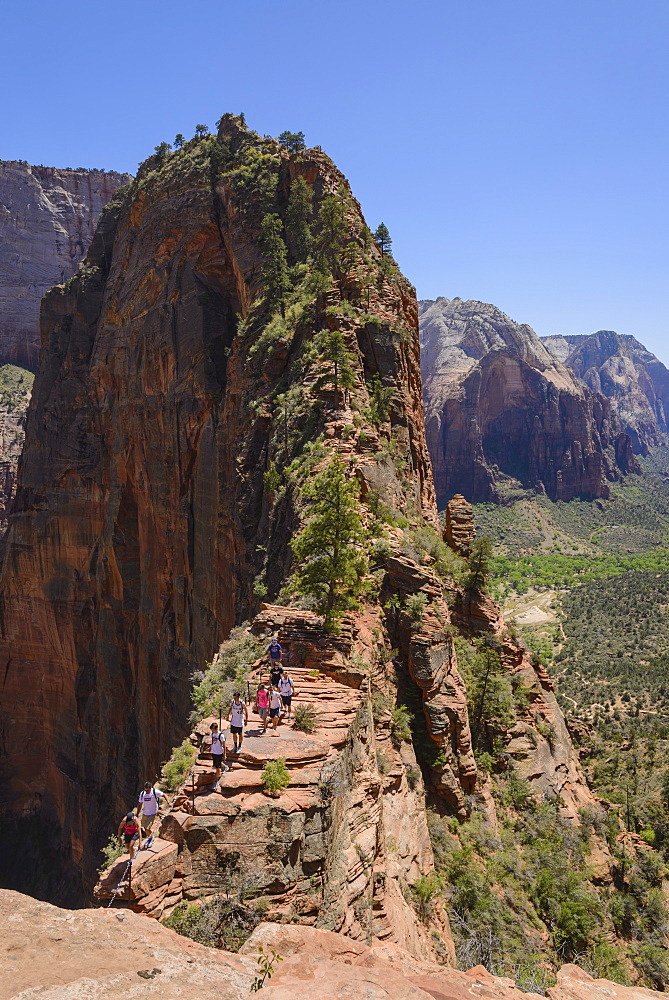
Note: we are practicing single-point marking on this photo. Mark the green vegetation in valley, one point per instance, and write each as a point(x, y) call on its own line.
point(16, 386)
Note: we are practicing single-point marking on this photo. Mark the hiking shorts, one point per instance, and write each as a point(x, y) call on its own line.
point(287, 699)
point(217, 759)
point(147, 821)
point(262, 712)
point(237, 730)
point(274, 712)
point(129, 837)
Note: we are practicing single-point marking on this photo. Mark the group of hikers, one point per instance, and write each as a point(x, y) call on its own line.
point(273, 700)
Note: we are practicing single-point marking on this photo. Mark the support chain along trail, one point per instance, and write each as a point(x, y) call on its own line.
point(120, 882)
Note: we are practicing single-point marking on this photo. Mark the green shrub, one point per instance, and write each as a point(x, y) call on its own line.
point(424, 891)
point(177, 767)
point(305, 718)
point(275, 776)
point(400, 719)
point(415, 606)
point(111, 852)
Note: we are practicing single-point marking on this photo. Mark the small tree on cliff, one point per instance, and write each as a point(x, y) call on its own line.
point(298, 218)
point(330, 548)
point(479, 564)
point(332, 233)
point(293, 141)
point(178, 140)
point(275, 266)
point(340, 371)
point(382, 238)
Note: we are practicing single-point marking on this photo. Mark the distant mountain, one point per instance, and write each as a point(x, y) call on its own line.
point(501, 411)
point(636, 382)
point(47, 220)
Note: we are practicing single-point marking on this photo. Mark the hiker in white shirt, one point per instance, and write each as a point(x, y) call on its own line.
point(218, 751)
point(149, 803)
point(286, 690)
point(238, 717)
point(274, 708)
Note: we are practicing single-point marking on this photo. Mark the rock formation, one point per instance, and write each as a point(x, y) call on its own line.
point(459, 530)
point(185, 396)
point(501, 411)
point(57, 954)
point(47, 221)
point(142, 515)
point(623, 370)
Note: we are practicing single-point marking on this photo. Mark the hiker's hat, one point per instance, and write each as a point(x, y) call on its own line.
point(130, 816)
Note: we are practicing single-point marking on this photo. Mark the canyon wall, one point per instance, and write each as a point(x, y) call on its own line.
point(627, 373)
point(502, 413)
point(142, 515)
point(47, 221)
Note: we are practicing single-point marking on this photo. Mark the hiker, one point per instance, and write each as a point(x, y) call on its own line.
point(262, 704)
point(274, 708)
point(238, 716)
point(274, 653)
point(149, 803)
point(130, 834)
point(286, 690)
point(218, 751)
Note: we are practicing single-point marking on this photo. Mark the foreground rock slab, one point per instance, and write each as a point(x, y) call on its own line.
point(54, 953)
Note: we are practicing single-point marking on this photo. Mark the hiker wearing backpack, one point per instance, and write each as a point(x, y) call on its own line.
point(218, 751)
point(274, 653)
point(262, 705)
point(149, 803)
point(274, 708)
point(286, 690)
point(238, 717)
point(130, 834)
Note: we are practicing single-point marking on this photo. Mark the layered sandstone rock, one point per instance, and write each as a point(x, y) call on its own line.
point(57, 954)
point(623, 370)
point(501, 411)
point(142, 515)
point(47, 221)
point(459, 530)
point(340, 847)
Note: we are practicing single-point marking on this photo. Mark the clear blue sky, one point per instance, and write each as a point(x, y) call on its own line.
point(516, 150)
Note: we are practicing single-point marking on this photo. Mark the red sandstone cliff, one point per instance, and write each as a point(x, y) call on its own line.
point(141, 507)
point(502, 412)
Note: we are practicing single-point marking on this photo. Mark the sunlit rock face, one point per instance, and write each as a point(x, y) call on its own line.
point(620, 368)
point(502, 412)
point(141, 517)
point(47, 221)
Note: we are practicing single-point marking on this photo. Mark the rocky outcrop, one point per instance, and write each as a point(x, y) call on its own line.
point(57, 954)
point(502, 412)
point(340, 846)
point(47, 221)
point(459, 530)
point(142, 515)
point(623, 370)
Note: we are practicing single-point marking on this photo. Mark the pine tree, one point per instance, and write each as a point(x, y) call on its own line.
point(340, 373)
point(178, 140)
point(380, 397)
point(201, 131)
point(275, 266)
point(293, 141)
point(330, 548)
point(162, 149)
point(298, 217)
point(479, 564)
point(332, 232)
point(382, 238)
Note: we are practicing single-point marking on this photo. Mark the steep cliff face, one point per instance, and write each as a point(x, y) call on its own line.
point(142, 515)
point(15, 389)
point(500, 410)
point(47, 221)
point(623, 370)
